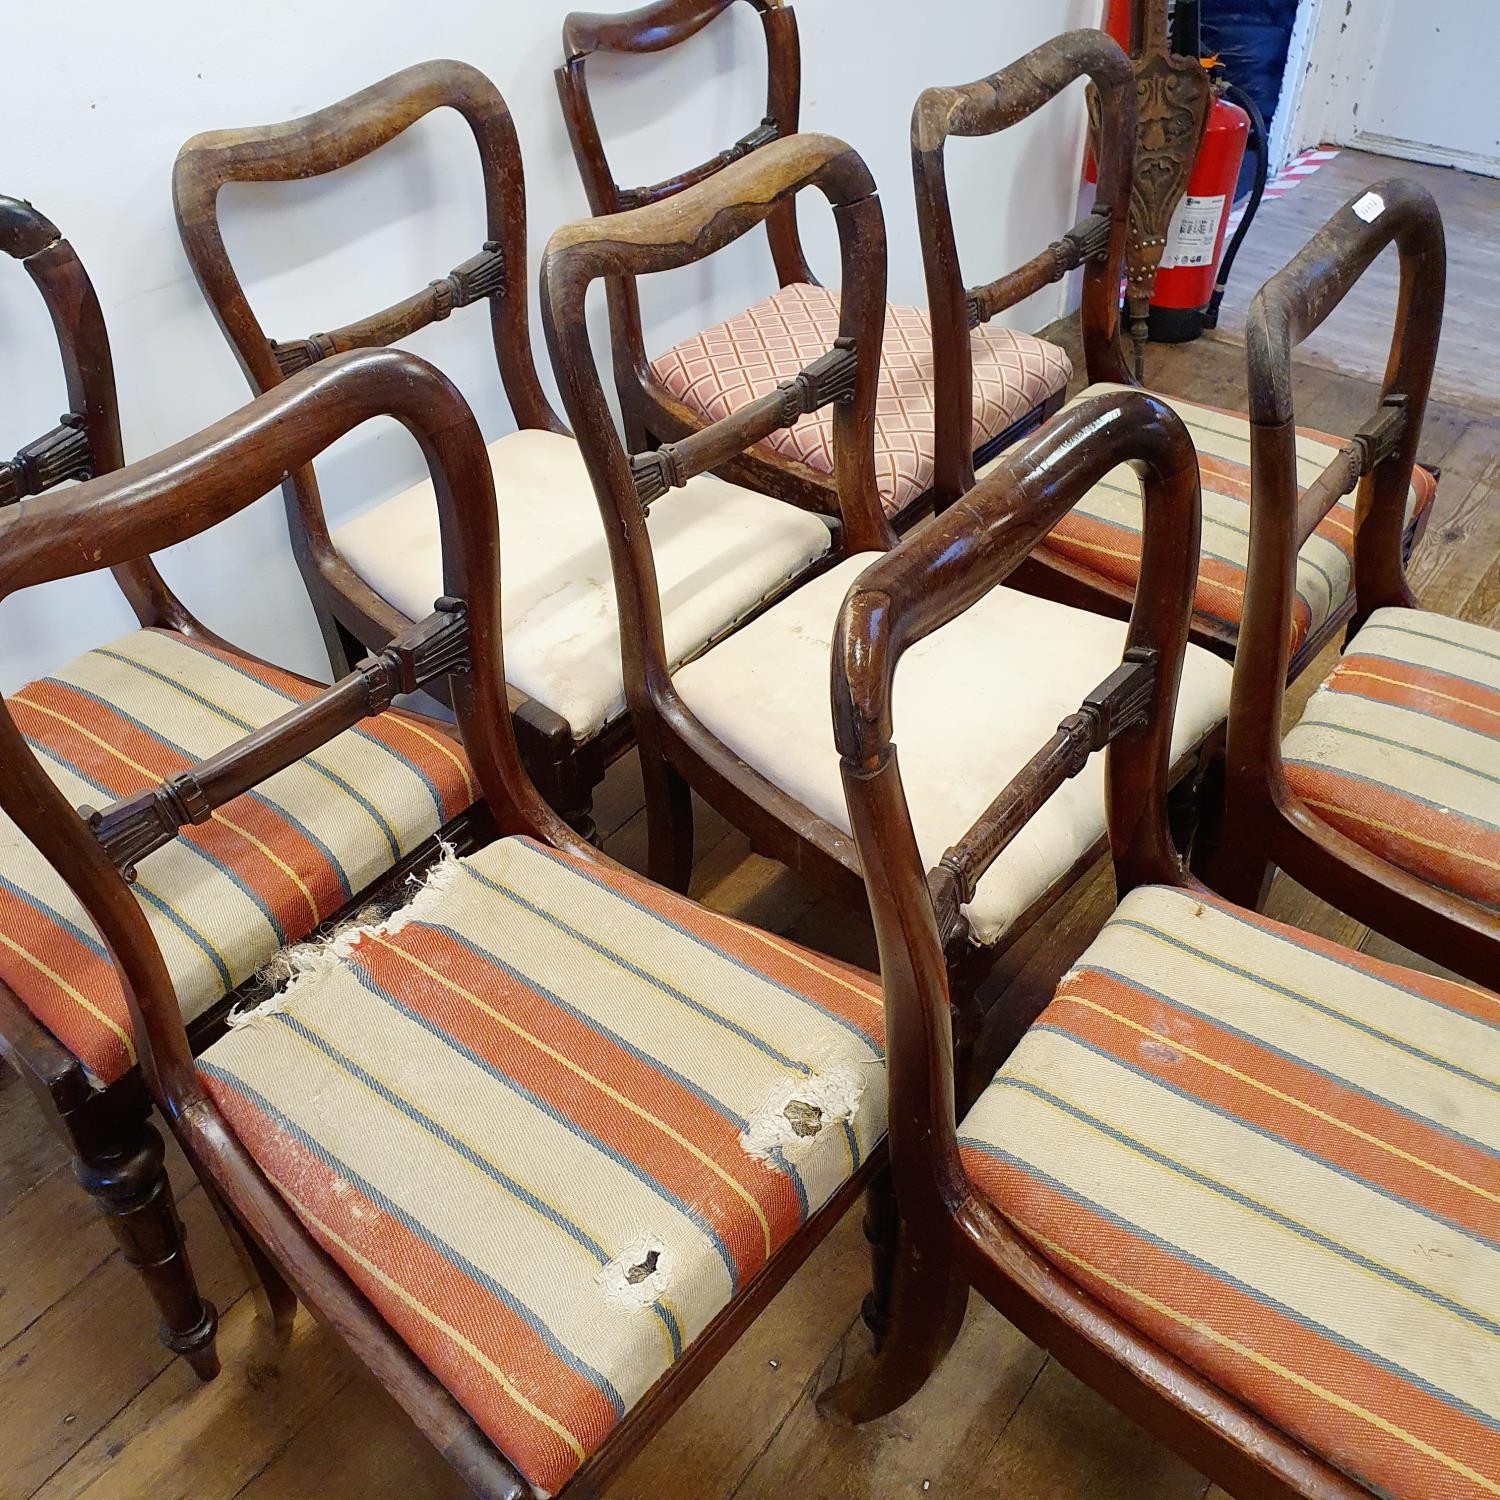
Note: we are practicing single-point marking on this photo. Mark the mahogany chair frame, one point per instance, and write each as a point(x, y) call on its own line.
point(178, 494)
point(117, 1152)
point(951, 1237)
point(651, 413)
point(352, 616)
point(1265, 823)
point(677, 751)
point(1104, 243)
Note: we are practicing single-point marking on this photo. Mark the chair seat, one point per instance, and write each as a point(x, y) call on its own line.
point(720, 550)
point(719, 370)
point(973, 703)
point(1400, 749)
point(1103, 531)
point(223, 897)
point(552, 1119)
point(1277, 1159)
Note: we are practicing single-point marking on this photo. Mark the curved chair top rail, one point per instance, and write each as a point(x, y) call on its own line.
point(1098, 242)
point(86, 442)
point(336, 137)
point(931, 578)
point(690, 227)
point(1377, 460)
point(655, 27)
point(180, 493)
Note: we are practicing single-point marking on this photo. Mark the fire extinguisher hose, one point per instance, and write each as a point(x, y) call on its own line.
point(1262, 148)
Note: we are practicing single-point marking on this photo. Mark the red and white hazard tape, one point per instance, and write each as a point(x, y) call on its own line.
point(1303, 165)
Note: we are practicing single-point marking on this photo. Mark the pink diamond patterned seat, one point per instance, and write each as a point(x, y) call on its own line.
point(1279, 1160)
point(717, 371)
point(226, 895)
point(551, 1118)
point(1400, 749)
point(1103, 531)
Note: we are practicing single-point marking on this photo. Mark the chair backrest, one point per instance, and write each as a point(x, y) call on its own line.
point(654, 27)
point(182, 492)
point(697, 222)
point(931, 578)
point(323, 142)
point(1377, 460)
point(87, 440)
point(1098, 243)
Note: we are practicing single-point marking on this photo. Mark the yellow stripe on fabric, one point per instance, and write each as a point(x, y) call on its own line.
point(443, 747)
point(1267, 1364)
point(598, 1083)
point(1413, 687)
point(426, 1313)
point(798, 956)
point(73, 993)
point(216, 816)
point(1284, 1098)
point(1200, 1181)
point(1324, 1003)
point(1405, 833)
point(411, 1117)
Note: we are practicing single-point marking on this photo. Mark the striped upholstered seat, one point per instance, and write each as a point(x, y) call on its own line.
point(222, 898)
point(719, 370)
point(1280, 1160)
point(1103, 531)
point(551, 1119)
point(1400, 749)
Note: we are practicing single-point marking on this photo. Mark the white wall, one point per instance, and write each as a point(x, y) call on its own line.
point(91, 121)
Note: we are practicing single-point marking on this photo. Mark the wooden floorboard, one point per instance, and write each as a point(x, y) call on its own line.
point(91, 1407)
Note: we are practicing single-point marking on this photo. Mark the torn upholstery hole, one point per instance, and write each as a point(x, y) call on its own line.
point(799, 1111)
point(638, 1275)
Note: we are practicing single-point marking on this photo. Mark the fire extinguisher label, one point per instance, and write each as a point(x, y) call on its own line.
point(1195, 228)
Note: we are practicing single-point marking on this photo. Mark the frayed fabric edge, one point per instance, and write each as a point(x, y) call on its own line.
point(306, 963)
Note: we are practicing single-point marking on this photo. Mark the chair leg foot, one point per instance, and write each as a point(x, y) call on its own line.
point(914, 1312)
point(131, 1187)
point(579, 816)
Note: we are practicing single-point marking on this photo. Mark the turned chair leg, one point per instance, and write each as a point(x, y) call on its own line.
point(275, 1301)
point(578, 814)
point(914, 1311)
point(129, 1182)
point(669, 822)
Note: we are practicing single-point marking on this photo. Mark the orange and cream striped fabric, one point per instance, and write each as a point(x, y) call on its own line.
point(224, 896)
point(1280, 1160)
point(1400, 749)
point(724, 367)
point(551, 1120)
point(1103, 531)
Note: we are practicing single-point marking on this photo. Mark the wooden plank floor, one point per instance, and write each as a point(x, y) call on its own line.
point(90, 1406)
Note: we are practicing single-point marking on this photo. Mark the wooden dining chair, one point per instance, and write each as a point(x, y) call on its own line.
point(119, 730)
point(1018, 379)
point(1384, 798)
point(724, 550)
point(1093, 558)
point(1238, 1179)
point(746, 723)
point(541, 1139)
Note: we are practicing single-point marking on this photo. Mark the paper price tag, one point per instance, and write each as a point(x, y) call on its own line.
point(1370, 207)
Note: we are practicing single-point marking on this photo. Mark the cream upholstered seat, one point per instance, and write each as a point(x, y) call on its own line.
point(973, 703)
point(1400, 749)
point(720, 369)
point(1277, 1158)
point(224, 896)
point(551, 1119)
point(1103, 531)
point(719, 551)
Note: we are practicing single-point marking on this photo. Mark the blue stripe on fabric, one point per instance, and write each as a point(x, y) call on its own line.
point(687, 1209)
point(454, 1257)
point(36, 903)
point(1263, 1131)
point(1441, 640)
point(1301, 1062)
point(1255, 1294)
point(358, 797)
point(703, 942)
point(1261, 1210)
point(1213, 959)
point(599, 1028)
point(197, 939)
point(1335, 727)
point(259, 798)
